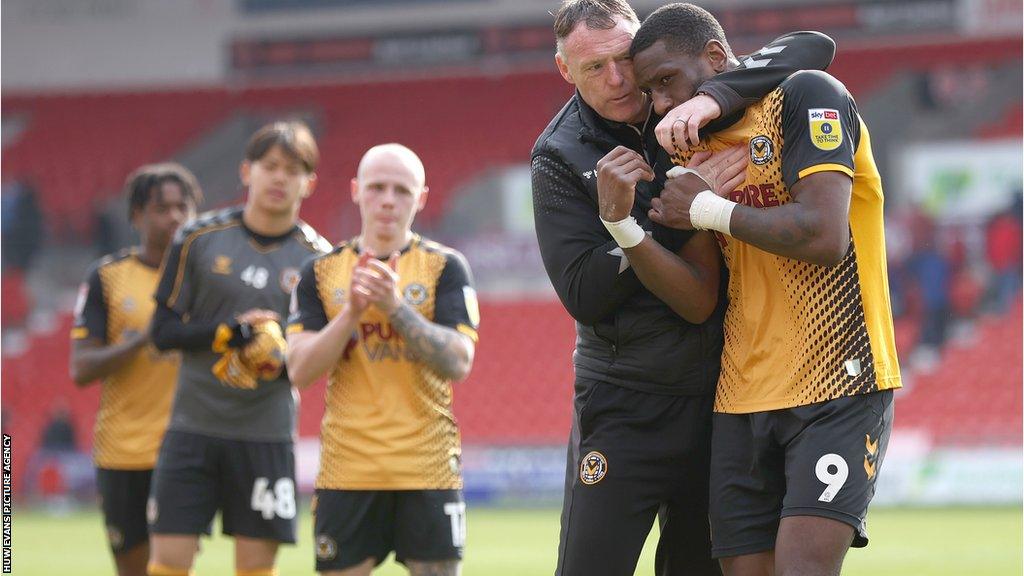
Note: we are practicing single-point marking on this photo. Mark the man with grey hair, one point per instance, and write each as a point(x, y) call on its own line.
point(648, 345)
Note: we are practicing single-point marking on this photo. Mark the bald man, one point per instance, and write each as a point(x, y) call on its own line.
point(392, 318)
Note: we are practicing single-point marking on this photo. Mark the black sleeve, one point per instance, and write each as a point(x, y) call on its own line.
point(583, 263)
point(762, 71)
point(455, 303)
point(91, 309)
point(306, 311)
point(820, 126)
point(170, 332)
point(176, 284)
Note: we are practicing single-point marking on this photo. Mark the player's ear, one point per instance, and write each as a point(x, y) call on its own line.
point(355, 191)
point(310, 185)
point(133, 218)
point(244, 170)
point(563, 68)
point(422, 201)
point(716, 54)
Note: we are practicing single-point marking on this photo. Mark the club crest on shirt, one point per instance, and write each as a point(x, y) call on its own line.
point(415, 294)
point(593, 468)
point(128, 304)
point(289, 279)
point(221, 265)
point(339, 296)
point(825, 130)
point(761, 150)
point(326, 547)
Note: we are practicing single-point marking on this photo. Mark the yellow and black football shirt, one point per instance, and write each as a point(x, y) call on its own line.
point(388, 424)
point(797, 333)
point(135, 402)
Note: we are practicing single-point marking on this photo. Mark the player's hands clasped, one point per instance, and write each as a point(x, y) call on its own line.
point(678, 130)
point(617, 175)
point(721, 173)
point(376, 283)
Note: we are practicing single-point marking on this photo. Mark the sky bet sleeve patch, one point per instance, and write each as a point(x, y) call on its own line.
point(826, 131)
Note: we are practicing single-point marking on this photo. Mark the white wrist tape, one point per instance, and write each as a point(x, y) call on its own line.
point(626, 232)
point(711, 212)
point(677, 171)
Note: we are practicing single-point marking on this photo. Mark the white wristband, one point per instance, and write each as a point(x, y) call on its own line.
point(626, 232)
point(677, 171)
point(710, 211)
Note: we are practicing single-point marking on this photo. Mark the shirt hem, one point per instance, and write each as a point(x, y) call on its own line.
point(878, 385)
point(394, 487)
point(221, 435)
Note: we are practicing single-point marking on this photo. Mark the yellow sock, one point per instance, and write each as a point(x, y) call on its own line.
point(258, 572)
point(154, 569)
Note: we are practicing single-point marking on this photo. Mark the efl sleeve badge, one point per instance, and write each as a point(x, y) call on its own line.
point(825, 129)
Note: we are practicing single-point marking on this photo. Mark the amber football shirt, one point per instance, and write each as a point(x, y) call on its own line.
point(135, 401)
point(388, 423)
point(797, 333)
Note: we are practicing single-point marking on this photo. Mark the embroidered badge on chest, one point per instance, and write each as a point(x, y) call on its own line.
point(415, 294)
point(761, 150)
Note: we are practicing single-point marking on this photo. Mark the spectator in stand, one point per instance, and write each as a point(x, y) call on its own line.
point(59, 434)
point(898, 249)
point(1003, 247)
point(930, 270)
point(22, 226)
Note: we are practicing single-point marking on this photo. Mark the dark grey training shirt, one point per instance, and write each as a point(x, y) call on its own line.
point(217, 268)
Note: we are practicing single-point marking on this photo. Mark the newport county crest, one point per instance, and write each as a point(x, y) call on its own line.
point(222, 265)
point(415, 294)
point(115, 537)
point(593, 468)
point(326, 547)
point(761, 150)
point(289, 279)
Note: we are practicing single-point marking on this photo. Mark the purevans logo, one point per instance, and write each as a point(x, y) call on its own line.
point(825, 129)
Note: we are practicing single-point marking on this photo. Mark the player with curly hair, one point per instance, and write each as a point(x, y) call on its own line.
point(111, 343)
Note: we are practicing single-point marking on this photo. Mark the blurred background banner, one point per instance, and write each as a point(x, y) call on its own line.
point(94, 88)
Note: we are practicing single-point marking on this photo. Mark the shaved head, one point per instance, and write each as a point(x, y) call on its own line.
point(393, 157)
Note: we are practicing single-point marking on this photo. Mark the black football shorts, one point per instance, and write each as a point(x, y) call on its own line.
point(251, 483)
point(816, 460)
point(123, 495)
point(350, 526)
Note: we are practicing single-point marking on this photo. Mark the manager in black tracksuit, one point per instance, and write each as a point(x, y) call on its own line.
point(645, 375)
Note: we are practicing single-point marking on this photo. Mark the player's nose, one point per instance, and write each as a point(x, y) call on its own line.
point(616, 76)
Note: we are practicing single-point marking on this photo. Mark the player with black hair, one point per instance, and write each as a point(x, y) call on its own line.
point(223, 293)
point(111, 342)
point(804, 402)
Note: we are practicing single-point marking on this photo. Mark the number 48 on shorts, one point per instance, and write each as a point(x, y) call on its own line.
point(278, 500)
